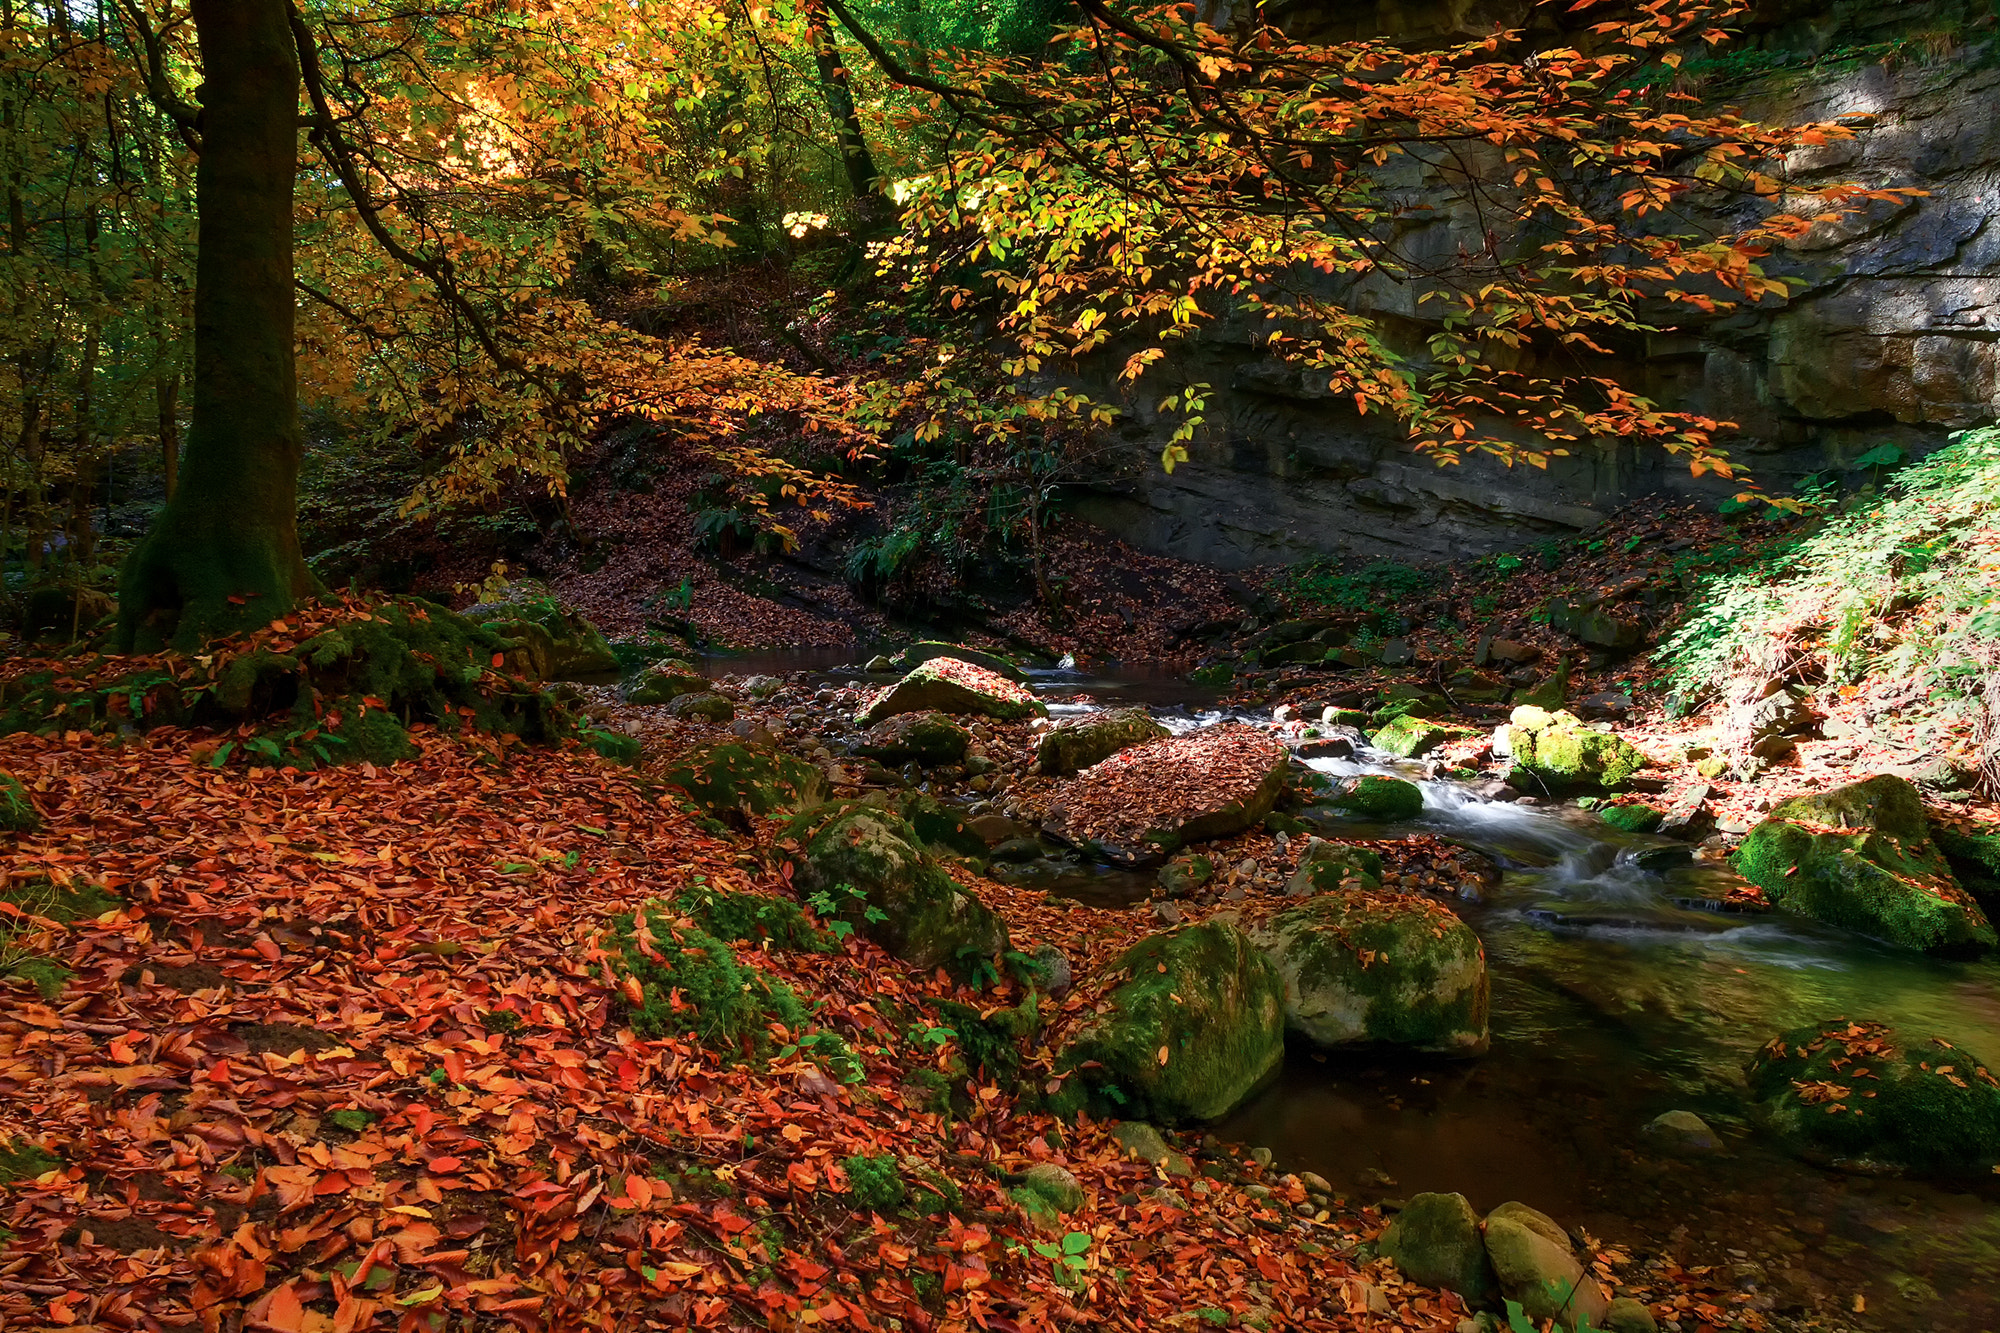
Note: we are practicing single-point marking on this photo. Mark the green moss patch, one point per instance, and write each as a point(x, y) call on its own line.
point(1632, 818)
point(725, 779)
point(1195, 1028)
point(1388, 800)
point(693, 984)
point(866, 865)
point(1861, 857)
point(17, 809)
point(753, 919)
point(1079, 742)
point(1364, 967)
point(1864, 1092)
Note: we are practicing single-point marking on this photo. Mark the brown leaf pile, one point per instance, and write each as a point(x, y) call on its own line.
point(1164, 783)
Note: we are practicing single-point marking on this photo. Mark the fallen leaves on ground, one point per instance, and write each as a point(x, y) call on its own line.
point(1164, 783)
point(348, 1057)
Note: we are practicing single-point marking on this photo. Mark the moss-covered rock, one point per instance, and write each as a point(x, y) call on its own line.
point(1863, 1092)
point(1377, 968)
point(1557, 752)
point(1635, 818)
point(1537, 1266)
point(560, 644)
point(1861, 857)
point(1436, 1241)
point(948, 685)
point(927, 738)
point(1077, 743)
point(1198, 1024)
point(702, 708)
point(1333, 867)
point(1184, 874)
point(17, 810)
point(868, 863)
point(1387, 800)
point(939, 828)
point(724, 779)
point(1411, 736)
point(665, 681)
point(928, 649)
point(1974, 859)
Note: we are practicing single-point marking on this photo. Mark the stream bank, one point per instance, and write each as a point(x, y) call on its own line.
point(1613, 1001)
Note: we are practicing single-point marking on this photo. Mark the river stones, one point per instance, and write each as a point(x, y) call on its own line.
point(1144, 803)
point(556, 642)
point(723, 779)
point(1385, 800)
point(1078, 742)
point(1376, 968)
point(1682, 1132)
point(1436, 1241)
point(928, 738)
point(1861, 857)
point(867, 862)
point(1632, 818)
point(1863, 1092)
point(1537, 1266)
point(1183, 875)
point(665, 681)
point(1191, 1033)
point(950, 685)
point(1558, 752)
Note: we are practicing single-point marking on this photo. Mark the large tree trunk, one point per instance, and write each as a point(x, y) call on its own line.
point(838, 90)
point(224, 553)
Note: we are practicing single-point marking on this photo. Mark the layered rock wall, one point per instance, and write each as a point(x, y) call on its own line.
point(1889, 338)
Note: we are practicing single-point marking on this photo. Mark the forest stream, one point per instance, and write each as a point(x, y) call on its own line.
point(1620, 992)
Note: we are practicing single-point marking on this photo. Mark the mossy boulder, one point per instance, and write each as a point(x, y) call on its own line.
point(1333, 867)
point(1863, 1092)
point(1077, 743)
point(1386, 800)
point(1183, 875)
point(940, 828)
point(1147, 802)
point(949, 685)
point(702, 708)
point(928, 649)
point(559, 643)
point(724, 779)
point(1632, 818)
point(1411, 736)
point(927, 738)
point(1436, 1241)
point(1372, 968)
point(869, 862)
point(17, 810)
point(1197, 1025)
point(1537, 1266)
point(1975, 862)
point(1861, 857)
point(1558, 752)
point(665, 681)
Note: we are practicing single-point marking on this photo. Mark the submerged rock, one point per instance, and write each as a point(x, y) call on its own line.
point(1377, 968)
point(1079, 742)
point(1864, 1092)
point(949, 685)
point(928, 738)
point(1436, 1241)
point(868, 864)
point(1190, 1035)
point(1682, 1132)
point(1861, 857)
point(1557, 752)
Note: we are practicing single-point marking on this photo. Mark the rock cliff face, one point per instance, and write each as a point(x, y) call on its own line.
point(1889, 338)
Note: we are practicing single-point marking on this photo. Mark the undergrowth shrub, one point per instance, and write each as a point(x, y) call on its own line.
point(1327, 583)
point(1896, 589)
point(875, 1182)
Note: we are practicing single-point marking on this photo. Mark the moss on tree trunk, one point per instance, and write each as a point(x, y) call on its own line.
point(224, 553)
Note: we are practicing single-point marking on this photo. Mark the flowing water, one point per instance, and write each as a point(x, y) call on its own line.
point(1619, 993)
